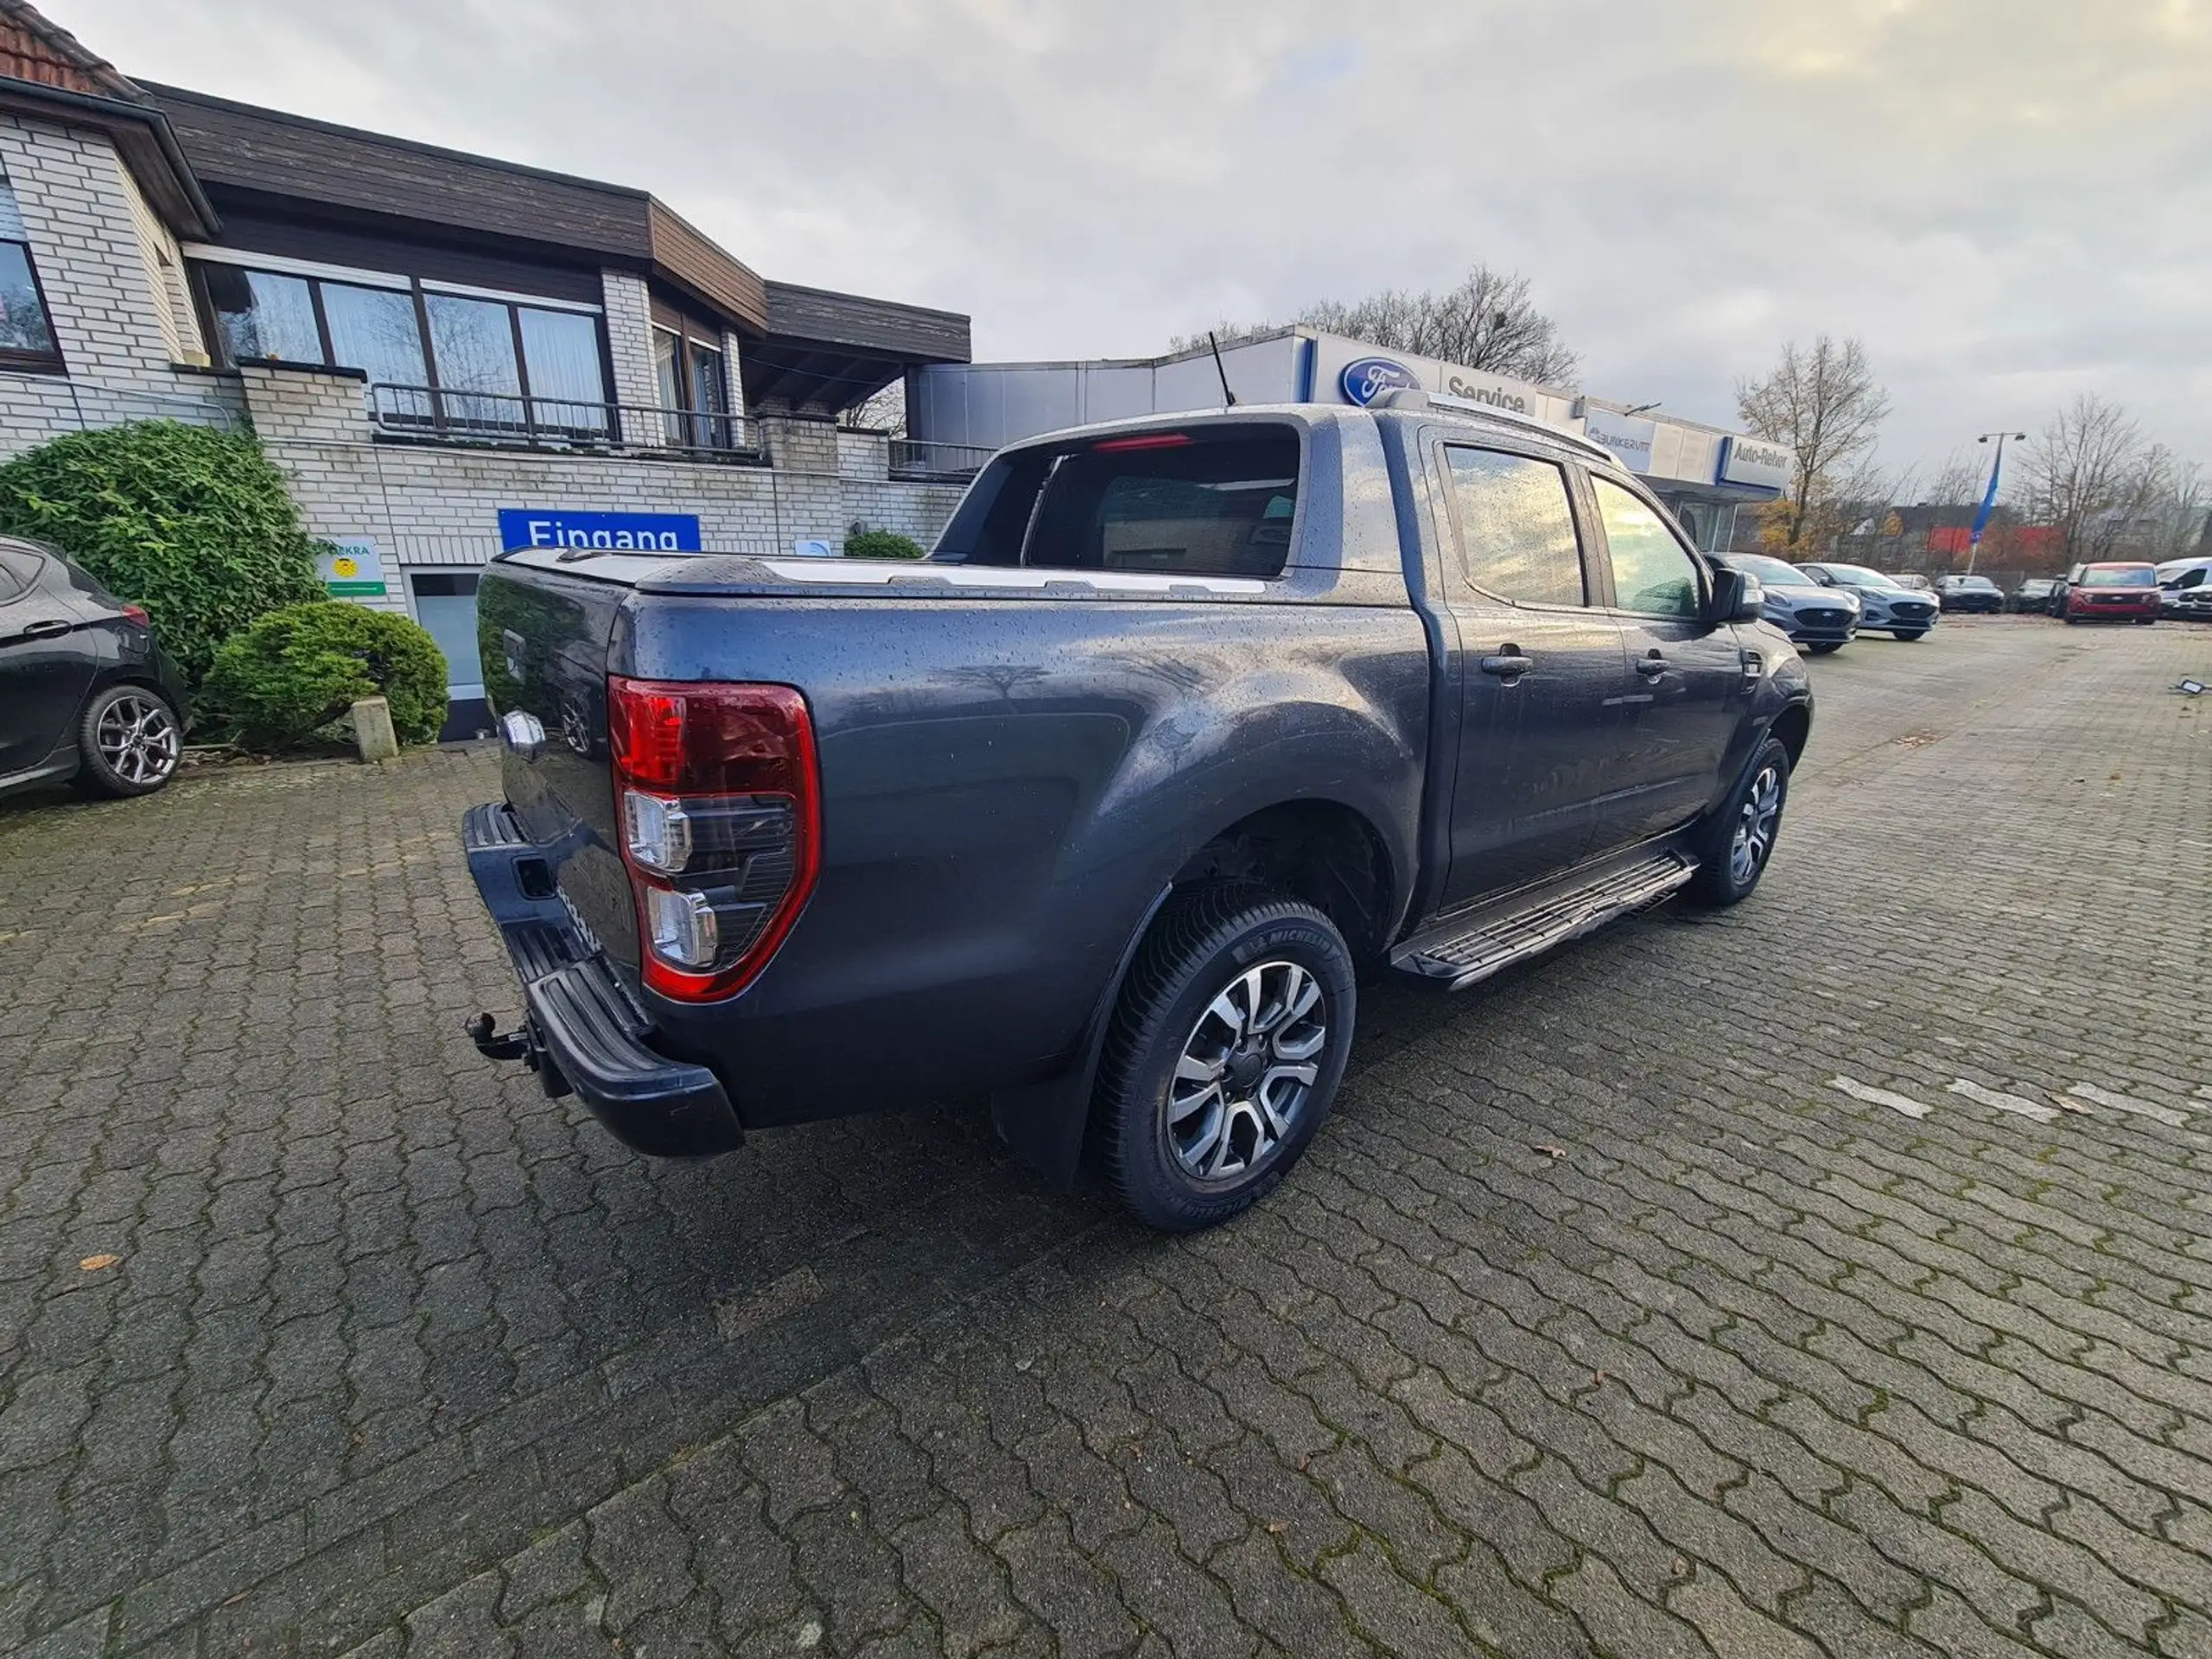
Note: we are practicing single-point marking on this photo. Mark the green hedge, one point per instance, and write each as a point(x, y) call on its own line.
point(192, 523)
point(882, 544)
point(294, 671)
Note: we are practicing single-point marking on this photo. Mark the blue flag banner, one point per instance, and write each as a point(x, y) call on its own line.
point(1988, 503)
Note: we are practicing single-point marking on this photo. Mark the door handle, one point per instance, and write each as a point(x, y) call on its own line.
point(46, 630)
point(1509, 664)
point(1653, 663)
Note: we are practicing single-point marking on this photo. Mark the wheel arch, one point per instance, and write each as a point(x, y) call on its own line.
point(1793, 726)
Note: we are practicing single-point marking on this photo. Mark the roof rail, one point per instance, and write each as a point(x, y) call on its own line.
point(1491, 411)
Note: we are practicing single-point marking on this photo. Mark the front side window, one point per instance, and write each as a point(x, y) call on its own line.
point(1653, 573)
point(1517, 527)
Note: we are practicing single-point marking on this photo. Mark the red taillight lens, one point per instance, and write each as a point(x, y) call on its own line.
point(718, 796)
point(138, 613)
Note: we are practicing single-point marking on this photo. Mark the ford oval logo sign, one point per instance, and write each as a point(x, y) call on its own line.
point(1365, 380)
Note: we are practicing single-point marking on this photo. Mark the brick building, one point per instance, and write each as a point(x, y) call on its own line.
point(423, 338)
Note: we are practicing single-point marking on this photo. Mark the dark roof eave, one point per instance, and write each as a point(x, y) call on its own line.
point(189, 214)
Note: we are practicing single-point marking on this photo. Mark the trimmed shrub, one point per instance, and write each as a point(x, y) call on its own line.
point(297, 670)
point(192, 523)
point(882, 544)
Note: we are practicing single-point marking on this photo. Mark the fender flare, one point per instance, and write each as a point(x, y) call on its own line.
point(1044, 1120)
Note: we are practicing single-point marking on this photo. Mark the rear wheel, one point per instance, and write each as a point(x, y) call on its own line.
point(1734, 844)
point(129, 742)
point(1227, 1046)
point(1824, 646)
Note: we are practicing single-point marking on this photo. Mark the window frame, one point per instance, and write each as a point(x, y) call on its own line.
point(1595, 597)
point(419, 291)
point(1701, 572)
point(14, 359)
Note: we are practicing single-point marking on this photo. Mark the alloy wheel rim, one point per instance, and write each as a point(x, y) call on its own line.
point(1246, 1072)
point(1755, 826)
point(138, 739)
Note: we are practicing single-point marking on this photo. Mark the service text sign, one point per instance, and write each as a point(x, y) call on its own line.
point(625, 532)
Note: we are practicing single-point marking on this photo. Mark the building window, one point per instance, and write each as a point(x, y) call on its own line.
point(26, 328)
point(693, 389)
point(435, 359)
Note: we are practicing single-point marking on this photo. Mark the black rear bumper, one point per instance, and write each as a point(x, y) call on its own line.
point(580, 1032)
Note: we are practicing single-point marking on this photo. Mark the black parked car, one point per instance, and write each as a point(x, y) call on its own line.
point(85, 692)
point(2033, 595)
point(1958, 593)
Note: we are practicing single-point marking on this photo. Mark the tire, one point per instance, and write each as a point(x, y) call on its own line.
point(1221, 982)
point(1908, 635)
point(129, 742)
point(1824, 646)
point(1727, 872)
point(2145, 622)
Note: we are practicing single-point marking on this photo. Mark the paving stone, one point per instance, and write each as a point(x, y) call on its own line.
point(402, 1357)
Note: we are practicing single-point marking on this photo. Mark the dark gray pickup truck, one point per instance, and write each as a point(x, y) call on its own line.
point(1185, 728)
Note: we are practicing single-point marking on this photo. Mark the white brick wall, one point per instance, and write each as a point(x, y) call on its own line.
point(164, 261)
point(630, 343)
point(118, 312)
point(429, 506)
point(75, 200)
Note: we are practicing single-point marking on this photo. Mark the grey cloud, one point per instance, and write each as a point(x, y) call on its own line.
point(2007, 199)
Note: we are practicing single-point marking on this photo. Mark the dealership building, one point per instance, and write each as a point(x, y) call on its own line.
point(447, 354)
point(1703, 473)
point(442, 353)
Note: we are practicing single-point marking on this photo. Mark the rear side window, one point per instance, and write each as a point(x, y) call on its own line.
point(18, 570)
point(1218, 502)
point(1516, 528)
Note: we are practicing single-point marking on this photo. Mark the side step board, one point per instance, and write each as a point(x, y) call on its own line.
point(1470, 948)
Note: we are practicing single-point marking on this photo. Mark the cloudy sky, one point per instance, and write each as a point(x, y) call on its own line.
point(2011, 200)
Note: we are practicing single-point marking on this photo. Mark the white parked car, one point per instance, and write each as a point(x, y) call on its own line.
point(2185, 589)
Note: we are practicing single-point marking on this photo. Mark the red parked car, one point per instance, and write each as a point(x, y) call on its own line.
point(2111, 592)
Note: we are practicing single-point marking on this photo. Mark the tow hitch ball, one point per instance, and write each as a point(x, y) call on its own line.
point(483, 1031)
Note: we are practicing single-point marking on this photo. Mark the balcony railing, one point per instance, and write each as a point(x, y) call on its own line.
point(511, 420)
point(921, 458)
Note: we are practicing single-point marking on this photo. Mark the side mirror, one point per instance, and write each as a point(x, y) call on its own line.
point(1737, 596)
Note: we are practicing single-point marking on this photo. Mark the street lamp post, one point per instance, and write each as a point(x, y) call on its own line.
point(1989, 496)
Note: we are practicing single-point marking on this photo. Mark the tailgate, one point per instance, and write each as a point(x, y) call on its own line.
point(544, 636)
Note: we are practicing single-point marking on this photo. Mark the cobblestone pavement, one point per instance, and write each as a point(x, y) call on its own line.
point(1825, 1276)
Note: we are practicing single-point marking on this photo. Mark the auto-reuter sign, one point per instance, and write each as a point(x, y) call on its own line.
point(1755, 463)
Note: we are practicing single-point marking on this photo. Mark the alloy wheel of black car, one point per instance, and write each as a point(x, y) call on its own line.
point(1734, 845)
point(129, 740)
point(1227, 1046)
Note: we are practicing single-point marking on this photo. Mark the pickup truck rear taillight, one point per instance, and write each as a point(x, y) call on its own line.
point(719, 802)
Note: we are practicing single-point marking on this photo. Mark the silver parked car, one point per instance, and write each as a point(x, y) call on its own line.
point(1817, 619)
point(1884, 605)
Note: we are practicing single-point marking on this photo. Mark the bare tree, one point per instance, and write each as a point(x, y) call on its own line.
point(884, 414)
point(1487, 321)
point(2083, 470)
point(2184, 516)
point(1824, 405)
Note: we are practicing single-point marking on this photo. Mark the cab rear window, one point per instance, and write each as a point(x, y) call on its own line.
point(1219, 501)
